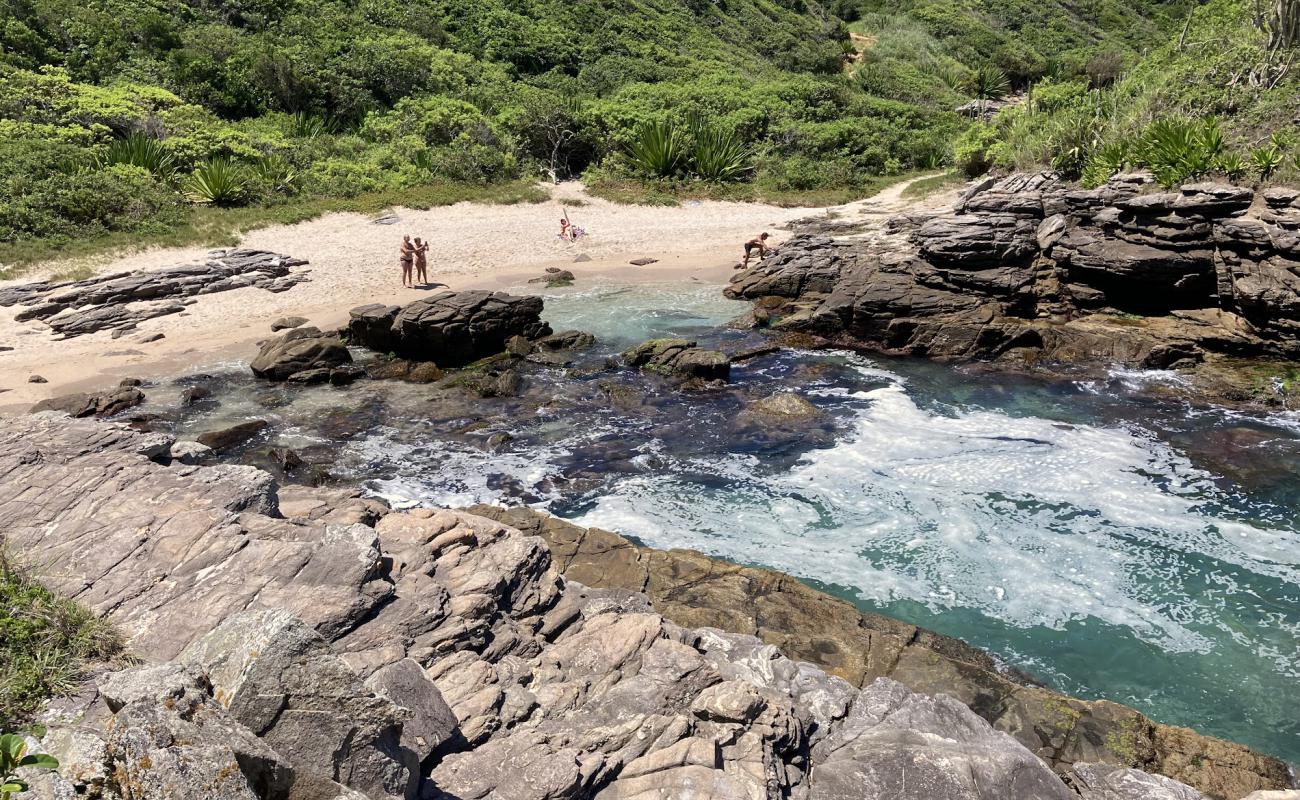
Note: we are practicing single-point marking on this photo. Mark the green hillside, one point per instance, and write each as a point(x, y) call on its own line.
point(131, 118)
point(1211, 98)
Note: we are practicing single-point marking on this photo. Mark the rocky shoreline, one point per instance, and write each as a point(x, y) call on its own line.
point(306, 642)
point(1030, 272)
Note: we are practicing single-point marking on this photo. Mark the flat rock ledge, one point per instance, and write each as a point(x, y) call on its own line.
point(1030, 270)
point(311, 643)
point(121, 300)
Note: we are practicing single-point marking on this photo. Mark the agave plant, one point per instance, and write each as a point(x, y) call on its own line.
point(1105, 162)
point(138, 150)
point(1265, 161)
point(718, 154)
point(1232, 165)
point(1178, 149)
point(310, 126)
point(986, 84)
point(657, 149)
point(277, 174)
point(219, 182)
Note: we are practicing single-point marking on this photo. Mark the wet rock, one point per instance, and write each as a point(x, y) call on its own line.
point(406, 370)
point(449, 328)
point(299, 350)
point(784, 405)
point(96, 404)
point(194, 394)
point(680, 358)
point(567, 340)
point(642, 262)
point(554, 277)
point(285, 458)
point(284, 323)
point(227, 438)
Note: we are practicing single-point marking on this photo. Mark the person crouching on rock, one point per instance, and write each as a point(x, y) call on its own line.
point(421, 261)
point(758, 243)
point(406, 253)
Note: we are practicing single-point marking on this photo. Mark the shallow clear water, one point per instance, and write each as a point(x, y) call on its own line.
point(1113, 546)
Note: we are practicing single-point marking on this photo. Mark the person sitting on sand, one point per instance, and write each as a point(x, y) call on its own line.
point(566, 233)
point(406, 254)
point(421, 262)
point(759, 243)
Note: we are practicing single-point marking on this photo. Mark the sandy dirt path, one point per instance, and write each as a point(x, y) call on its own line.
point(353, 261)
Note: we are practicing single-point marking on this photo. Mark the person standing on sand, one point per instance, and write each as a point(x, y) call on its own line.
point(421, 261)
point(758, 243)
point(406, 254)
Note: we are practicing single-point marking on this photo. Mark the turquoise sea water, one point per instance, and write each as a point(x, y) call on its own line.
point(1112, 546)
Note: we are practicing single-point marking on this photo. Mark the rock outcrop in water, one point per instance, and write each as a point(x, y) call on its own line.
point(305, 355)
point(450, 329)
point(313, 644)
point(680, 358)
point(119, 301)
point(1032, 270)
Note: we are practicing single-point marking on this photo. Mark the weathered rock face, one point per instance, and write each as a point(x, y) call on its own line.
point(694, 590)
point(1032, 269)
point(449, 328)
point(119, 301)
point(301, 351)
point(341, 651)
point(680, 358)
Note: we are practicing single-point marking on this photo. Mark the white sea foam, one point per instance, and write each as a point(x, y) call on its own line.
point(1031, 521)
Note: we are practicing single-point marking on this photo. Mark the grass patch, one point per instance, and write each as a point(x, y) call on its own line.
point(630, 191)
point(46, 644)
point(222, 227)
point(934, 184)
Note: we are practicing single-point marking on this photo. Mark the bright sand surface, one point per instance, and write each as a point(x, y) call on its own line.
point(354, 261)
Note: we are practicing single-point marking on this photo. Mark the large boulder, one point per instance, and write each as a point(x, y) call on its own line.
point(279, 678)
point(300, 350)
point(449, 328)
point(898, 745)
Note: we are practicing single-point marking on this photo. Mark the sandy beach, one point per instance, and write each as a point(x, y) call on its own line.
point(352, 261)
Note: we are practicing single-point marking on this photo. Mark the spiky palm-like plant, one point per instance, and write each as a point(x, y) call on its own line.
point(657, 149)
point(718, 154)
point(1232, 165)
point(139, 150)
point(986, 84)
point(1177, 150)
point(1266, 160)
point(219, 182)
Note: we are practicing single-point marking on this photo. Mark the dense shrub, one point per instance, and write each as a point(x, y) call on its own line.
point(973, 151)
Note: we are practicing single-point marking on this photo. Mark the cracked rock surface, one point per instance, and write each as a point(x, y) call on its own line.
point(311, 643)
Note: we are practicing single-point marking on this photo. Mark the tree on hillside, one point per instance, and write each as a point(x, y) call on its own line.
point(1284, 24)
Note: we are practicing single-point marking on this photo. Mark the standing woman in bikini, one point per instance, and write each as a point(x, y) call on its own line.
point(406, 254)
